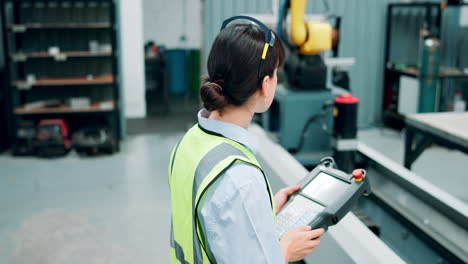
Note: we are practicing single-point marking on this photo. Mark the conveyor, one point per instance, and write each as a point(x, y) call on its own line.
point(417, 222)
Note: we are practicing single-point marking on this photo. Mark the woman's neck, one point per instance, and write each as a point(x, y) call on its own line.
point(240, 116)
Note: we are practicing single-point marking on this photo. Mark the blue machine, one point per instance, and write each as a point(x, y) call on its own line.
point(301, 114)
point(289, 114)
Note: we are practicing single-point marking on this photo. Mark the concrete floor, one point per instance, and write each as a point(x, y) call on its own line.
point(111, 209)
point(115, 209)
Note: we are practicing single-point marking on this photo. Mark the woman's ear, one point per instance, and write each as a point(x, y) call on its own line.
point(264, 89)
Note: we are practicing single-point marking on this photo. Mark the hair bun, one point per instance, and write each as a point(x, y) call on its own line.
point(212, 96)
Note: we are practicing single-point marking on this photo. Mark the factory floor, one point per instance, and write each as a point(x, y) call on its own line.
point(110, 209)
point(115, 209)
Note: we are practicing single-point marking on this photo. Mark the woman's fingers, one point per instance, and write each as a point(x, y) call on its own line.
point(308, 233)
point(315, 233)
point(303, 228)
point(292, 189)
point(313, 243)
point(310, 244)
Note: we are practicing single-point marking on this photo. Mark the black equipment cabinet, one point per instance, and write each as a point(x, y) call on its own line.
point(4, 108)
point(4, 128)
point(62, 63)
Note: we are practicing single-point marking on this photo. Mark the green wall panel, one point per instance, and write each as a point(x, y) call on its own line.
point(362, 37)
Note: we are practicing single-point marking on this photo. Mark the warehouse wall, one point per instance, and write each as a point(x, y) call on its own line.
point(362, 37)
point(131, 67)
point(165, 22)
point(161, 21)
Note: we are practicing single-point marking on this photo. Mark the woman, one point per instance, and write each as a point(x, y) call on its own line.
point(222, 206)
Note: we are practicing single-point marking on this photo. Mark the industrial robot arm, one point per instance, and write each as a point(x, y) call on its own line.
point(309, 37)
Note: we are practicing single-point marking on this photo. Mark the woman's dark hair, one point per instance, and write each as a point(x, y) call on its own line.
point(233, 65)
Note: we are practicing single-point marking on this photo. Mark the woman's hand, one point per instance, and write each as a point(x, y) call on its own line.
point(299, 242)
point(282, 196)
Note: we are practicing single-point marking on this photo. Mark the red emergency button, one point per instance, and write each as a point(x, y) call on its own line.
point(346, 98)
point(358, 174)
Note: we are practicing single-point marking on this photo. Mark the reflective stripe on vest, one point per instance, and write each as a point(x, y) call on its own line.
point(215, 155)
point(179, 252)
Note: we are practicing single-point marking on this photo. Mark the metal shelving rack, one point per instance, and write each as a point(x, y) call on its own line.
point(392, 74)
point(62, 49)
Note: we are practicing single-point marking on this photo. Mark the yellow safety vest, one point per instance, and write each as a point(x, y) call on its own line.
point(196, 163)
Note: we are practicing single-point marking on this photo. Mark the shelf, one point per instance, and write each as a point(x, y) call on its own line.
point(105, 106)
point(60, 56)
point(423, 4)
point(444, 73)
point(19, 28)
point(97, 80)
point(415, 4)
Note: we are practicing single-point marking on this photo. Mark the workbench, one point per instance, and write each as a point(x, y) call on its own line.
point(448, 129)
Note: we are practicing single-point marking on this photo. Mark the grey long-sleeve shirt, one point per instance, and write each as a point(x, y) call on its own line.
point(236, 215)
